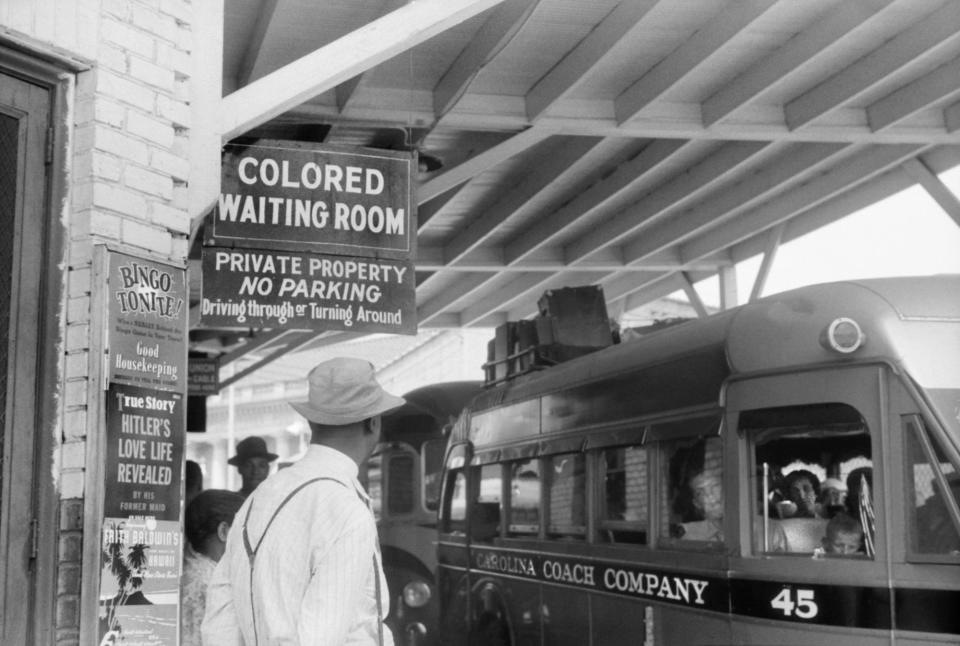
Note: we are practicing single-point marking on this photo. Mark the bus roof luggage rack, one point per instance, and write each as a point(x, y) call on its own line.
point(572, 322)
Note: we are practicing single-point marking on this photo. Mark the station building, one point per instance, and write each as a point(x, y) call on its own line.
point(110, 144)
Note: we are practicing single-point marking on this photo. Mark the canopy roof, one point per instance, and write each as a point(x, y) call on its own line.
point(639, 145)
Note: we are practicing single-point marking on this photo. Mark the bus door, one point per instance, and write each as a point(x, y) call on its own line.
point(453, 583)
point(925, 544)
point(807, 454)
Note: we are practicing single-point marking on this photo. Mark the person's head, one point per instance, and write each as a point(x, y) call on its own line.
point(856, 480)
point(833, 493)
point(252, 461)
point(802, 488)
point(843, 535)
point(193, 481)
point(706, 491)
point(344, 405)
point(208, 518)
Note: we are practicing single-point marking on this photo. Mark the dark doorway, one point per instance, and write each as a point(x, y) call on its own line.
point(24, 183)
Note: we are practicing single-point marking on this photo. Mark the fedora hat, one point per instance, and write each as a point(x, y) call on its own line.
point(251, 447)
point(344, 390)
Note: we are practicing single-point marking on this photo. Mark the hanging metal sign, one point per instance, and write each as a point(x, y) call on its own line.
point(300, 291)
point(318, 199)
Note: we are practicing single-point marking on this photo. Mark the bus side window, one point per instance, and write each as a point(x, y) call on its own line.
point(485, 518)
point(454, 510)
point(691, 504)
point(812, 482)
point(624, 514)
point(935, 494)
point(400, 490)
point(566, 495)
point(524, 498)
point(431, 464)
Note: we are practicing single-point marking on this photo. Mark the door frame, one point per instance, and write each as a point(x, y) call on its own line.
point(36, 358)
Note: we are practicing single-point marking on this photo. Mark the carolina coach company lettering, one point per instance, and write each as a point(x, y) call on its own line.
point(612, 578)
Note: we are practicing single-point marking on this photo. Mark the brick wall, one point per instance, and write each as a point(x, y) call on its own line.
point(128, 186)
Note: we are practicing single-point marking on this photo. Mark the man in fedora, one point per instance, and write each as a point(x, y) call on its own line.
point(302, 561)
point(253, 462)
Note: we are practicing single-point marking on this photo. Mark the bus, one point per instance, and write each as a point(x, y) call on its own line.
point(403, 479)
point(664, 490)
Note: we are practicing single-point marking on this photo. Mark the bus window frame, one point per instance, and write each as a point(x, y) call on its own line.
point(515, 531)
point(455, 462)
point(860, 385)
point(394, 450)
point(424, 498)
point(575, 533)
point(758, 436)
point(658, 448)
point(597, 473)
point(913, 424)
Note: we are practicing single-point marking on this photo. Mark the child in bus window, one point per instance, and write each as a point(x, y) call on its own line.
point(844, 536)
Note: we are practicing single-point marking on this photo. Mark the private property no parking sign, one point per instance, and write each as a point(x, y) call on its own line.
point(311, 238)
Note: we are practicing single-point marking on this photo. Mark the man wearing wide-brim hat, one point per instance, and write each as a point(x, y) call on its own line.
point(302, 562)
point(253, 462)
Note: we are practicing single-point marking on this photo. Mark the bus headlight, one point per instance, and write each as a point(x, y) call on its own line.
point(416, 594)
point(843, 335)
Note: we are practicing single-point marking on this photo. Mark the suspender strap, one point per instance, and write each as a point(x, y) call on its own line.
point(376, 578)
point(252, 553)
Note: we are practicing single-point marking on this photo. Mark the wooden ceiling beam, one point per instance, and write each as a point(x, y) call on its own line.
point(479, 163)
point(588, 201)
point(662, 120)
point(810, 45)
point(490, 261)
point(951, 117)
point(464, 287)
point(706, 43)
point(681, 189)
point(940, 84)
point(547, 175)
point(657, 286)
point(934, 187)
point(346, 92)
point(842, 177)
point(766, 263)
point(790, 168)
point(352, 54)
point(487, 302)
point(619, 25)
point(497, 31)
point(251, 54)
point(938, 30)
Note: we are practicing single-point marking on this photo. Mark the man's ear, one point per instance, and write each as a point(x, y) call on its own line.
point(373, 425)
point(223, 528)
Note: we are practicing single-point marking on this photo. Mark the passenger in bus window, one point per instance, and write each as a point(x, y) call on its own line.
point(936, 531)
point(706, 495)
point(844, 537)
point(855, 481)
point(706, 492)
point(832, 499)
point(802, 488)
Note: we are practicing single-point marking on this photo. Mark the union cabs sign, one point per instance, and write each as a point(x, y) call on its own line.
point(311, 238)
